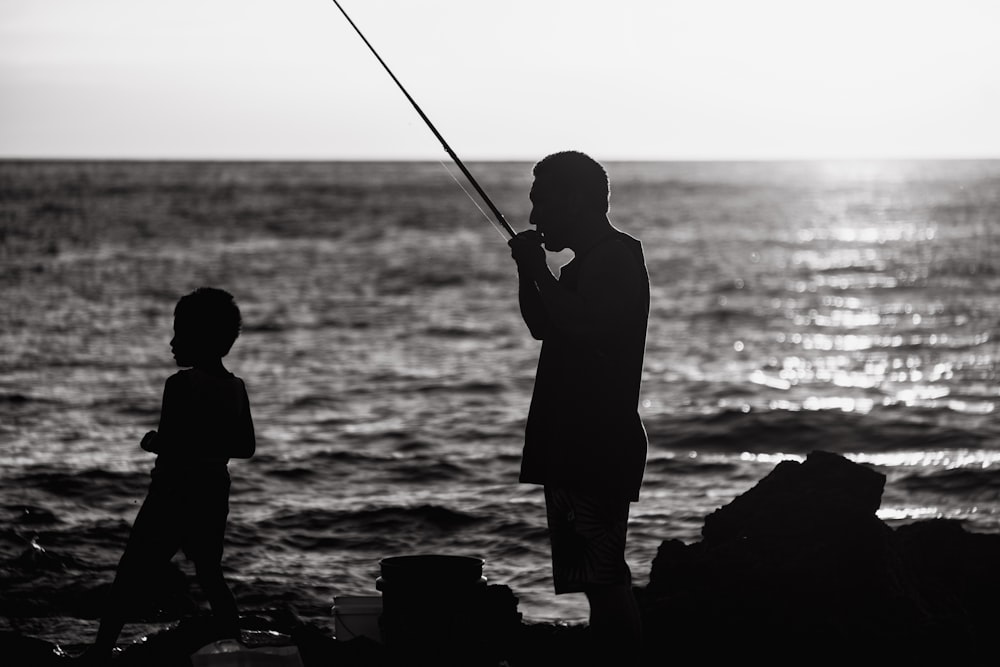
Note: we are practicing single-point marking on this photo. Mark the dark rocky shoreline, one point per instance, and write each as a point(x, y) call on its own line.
point(797, 570)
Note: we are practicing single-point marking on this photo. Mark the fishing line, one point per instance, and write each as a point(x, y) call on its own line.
point(444, 144)
point(471, 198)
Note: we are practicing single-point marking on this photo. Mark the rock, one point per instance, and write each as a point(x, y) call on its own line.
point(801, 561)
point(956, 574)
point(825, 491)
point(17, 649)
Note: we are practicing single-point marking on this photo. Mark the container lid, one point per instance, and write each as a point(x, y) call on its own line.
point(357, 600)
point(434, 567)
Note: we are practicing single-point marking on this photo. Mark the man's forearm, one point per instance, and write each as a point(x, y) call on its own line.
point(532, 308)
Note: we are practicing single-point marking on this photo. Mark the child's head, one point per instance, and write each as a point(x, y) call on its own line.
point(206, 324)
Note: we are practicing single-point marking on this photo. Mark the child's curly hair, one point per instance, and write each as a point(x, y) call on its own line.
point(213, 314)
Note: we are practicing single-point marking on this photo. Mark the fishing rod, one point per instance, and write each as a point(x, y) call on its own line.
point(496, 212)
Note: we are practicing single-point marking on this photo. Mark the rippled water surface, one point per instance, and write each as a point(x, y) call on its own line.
point(851, 307)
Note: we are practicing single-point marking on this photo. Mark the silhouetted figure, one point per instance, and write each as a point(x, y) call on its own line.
point(584, 440)
point(204, 421)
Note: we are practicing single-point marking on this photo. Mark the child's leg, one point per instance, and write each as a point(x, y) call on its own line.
point(152, 542)
point(203, 543)
point(219, 597)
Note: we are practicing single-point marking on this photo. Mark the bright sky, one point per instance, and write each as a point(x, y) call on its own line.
point(517, 79)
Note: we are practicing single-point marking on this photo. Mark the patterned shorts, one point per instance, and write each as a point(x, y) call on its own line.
point(588, 540)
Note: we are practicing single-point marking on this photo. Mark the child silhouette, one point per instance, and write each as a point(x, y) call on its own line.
point(204, 421)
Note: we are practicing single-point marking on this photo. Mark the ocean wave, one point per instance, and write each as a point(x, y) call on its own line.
point(406, 280)
point(469, 387)
point(35, 558)
point(802, 431)
point(291, 473)
point(728, 316)
point(424, 470)
point(19, 399)
point(84, 486)
point(683, 465)
point(969, 483)
point(31, 515)
point(372, 520)
point(454, 331)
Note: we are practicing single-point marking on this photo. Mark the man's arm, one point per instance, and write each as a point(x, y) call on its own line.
point(609, 284)
point(532, 307)
point(526, 249)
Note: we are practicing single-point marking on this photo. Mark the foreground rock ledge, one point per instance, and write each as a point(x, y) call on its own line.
point(799, 568)
point(796, 571)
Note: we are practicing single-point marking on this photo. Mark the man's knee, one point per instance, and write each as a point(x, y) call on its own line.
point(608, 593)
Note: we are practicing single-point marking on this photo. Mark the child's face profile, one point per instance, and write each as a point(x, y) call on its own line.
point(184, 345)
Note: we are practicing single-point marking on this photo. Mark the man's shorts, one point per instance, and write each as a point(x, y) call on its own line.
point(588, 540)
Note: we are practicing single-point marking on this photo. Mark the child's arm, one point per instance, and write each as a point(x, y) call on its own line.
point(244, 443)
point(159, 441)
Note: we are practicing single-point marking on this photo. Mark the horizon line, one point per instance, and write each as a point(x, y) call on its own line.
point(619, 159)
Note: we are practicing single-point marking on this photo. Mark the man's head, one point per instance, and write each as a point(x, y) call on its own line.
point(570, 192)
point(206, 324)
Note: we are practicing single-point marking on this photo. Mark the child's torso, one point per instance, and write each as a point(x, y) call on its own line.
point(202, 417)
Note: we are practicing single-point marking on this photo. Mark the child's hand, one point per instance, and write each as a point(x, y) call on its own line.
point(149, 442)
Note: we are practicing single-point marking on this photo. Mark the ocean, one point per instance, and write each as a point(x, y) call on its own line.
point(852, 307)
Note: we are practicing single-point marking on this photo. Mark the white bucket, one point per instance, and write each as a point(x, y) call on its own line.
point(357, 616)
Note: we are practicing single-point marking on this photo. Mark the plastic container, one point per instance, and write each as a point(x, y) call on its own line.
point(431, 570)
point(429, 602)
point(357, 616)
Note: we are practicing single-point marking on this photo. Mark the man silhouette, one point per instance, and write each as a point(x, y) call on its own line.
point(584, 439)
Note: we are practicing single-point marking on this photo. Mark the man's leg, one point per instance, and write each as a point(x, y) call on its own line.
point(615, 623)
point(588, 555)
